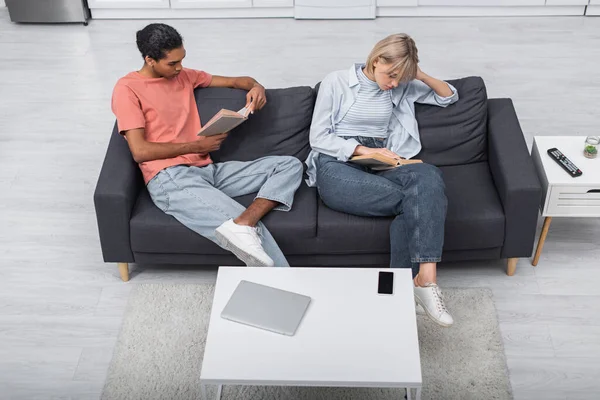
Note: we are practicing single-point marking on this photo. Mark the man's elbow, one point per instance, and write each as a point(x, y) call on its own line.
point(139, 155)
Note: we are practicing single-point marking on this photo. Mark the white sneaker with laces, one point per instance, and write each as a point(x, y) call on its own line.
point(244, 242)
point(431, 299)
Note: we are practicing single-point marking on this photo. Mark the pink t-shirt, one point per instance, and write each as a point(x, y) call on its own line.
point(166, 109)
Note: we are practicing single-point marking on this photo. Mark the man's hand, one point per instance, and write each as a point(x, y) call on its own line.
point(363, 150)
point(256, 98)
point(207, 144)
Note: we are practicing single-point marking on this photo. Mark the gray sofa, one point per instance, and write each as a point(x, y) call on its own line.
point(493, 191)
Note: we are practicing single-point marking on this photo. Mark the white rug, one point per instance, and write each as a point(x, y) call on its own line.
point(159, 352)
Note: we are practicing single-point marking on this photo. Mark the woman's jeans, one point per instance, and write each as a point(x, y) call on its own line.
point(414, 193)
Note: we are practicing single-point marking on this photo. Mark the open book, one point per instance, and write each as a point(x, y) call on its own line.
point(379, 162)
point(223, 121)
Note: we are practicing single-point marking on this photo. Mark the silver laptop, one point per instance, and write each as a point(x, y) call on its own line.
point(266, 307)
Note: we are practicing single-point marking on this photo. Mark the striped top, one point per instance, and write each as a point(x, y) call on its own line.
point(371, 111)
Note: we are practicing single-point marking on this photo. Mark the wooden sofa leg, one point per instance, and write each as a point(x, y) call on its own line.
point(124, 271)
point(512, 266)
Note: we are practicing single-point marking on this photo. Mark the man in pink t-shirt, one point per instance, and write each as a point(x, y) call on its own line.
point(156, 112)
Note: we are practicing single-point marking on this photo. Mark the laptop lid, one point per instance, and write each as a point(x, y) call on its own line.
point(266, 307)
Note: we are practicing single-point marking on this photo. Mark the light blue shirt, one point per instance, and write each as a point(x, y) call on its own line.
point(338, 92)
point(370, 114)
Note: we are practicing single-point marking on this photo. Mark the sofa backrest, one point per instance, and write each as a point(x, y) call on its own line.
point(457, 134)
point(454, 135)
point(280, 128)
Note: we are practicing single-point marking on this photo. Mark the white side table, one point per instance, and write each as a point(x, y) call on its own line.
point(562, 195)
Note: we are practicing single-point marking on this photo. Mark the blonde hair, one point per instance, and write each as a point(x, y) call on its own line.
point(399, 51)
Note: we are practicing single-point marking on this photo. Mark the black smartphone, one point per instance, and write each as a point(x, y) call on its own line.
point(386, 282)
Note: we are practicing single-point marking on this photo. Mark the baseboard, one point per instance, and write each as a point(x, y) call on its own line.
point(174, 13)
point(427, 11)
point(358, 12)
point(593, 10)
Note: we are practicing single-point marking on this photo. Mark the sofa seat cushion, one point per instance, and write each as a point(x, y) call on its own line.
point(341, 233)
point(153, 231)
point(475, 218)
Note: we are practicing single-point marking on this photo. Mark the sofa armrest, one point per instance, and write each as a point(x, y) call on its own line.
point(116, 192)
point(515, 178)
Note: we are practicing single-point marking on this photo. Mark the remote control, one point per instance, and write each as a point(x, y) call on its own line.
point(564, 162)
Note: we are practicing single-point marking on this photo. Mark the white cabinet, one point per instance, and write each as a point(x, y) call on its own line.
point(593, 8)
point(480, 8)
point(210, 3)
point(230, 3)
point(272, 3)
point(397, 3)
point(128, 4)
point(566, 2)
point(190, 9)
point(334, 9)
point(482, 3)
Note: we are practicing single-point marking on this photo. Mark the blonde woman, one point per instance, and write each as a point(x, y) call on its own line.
point(370, 109)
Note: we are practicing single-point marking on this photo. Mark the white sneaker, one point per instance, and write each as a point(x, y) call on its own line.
point(244, 242)
point(431, 299)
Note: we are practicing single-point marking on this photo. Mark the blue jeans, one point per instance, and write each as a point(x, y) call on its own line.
point(414, 193)
point(201, 197)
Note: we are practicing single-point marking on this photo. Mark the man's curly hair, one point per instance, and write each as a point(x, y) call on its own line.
point(157, 39)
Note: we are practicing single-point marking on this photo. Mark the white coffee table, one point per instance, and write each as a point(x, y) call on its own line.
point(562, 195)
point(350, 336)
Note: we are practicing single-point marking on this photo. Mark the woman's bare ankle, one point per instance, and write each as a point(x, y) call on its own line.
point(422, 281)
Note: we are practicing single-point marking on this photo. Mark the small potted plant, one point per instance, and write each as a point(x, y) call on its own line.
point(590, 151)
point(591, 146)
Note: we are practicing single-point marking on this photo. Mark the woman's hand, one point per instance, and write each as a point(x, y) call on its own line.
point(420, 74)
point(363, 150)
point(441, 88)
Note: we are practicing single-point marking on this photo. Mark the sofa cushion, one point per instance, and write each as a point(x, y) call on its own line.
point(280, 128)
point(457, 134)
point(475, 219)
point(153, 231)
point(341, 233)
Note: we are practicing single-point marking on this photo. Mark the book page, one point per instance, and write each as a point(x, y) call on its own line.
point(243, 112)
point(411, 161)
point(223, 121)
point(374, 158)
point(372, 163)
point(379, 162)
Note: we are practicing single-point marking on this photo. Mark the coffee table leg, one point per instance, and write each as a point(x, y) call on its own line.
point(418, 397)
point(204, 396)
point(408, 393)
